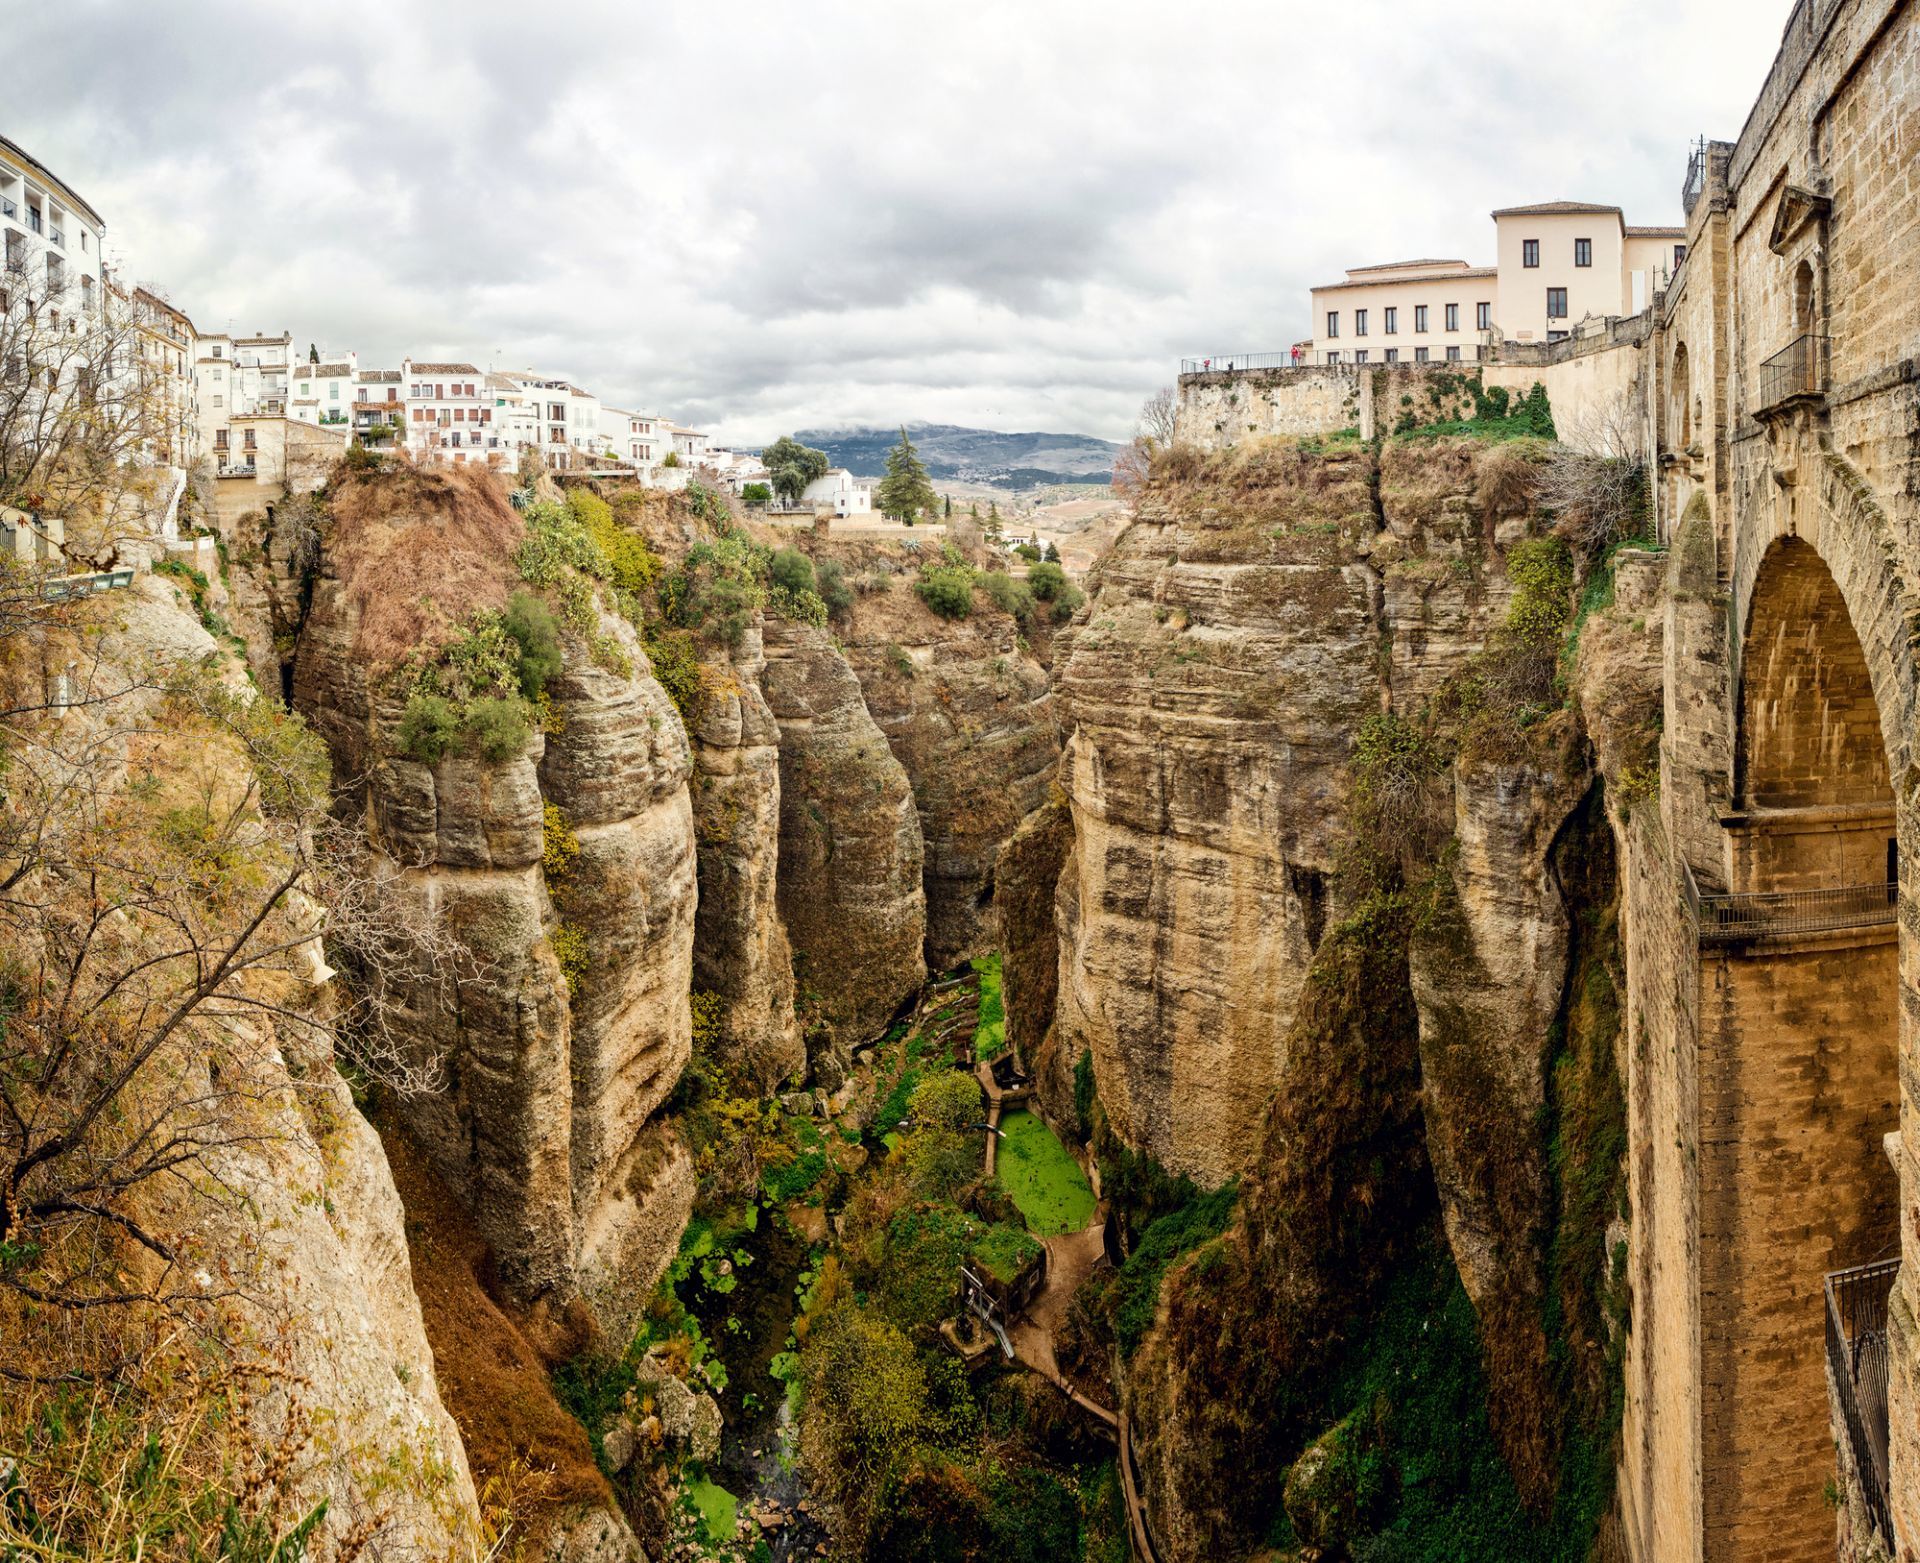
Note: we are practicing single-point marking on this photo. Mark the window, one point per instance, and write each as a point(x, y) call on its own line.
point(1333, 328)
point(1419, 317)
point(219, 401)
point(216, 352)
point(1393, 355)
point(305, 388)
point(419, 415)
point(248, 438)
point(1333, 357)
point(1419, 355)
point(219, 439)
point(1453, 317)
point(1529, 252)
point(1558, 336)
point(1583, 252)
point(1453, 355)
point(1556, 303)
point(1679, 254)
point(1392, 322)
point(333, 392)
point(361, 394)
point(1483, 317)
point(1359, 324)
point(1360, 355)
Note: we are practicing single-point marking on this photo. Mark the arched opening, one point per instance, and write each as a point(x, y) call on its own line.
point(1803, 300)
point(1799, 1046)
point(1682, 399)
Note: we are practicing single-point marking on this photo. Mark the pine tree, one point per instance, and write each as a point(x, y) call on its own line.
point(905, 491)
point(948, 513)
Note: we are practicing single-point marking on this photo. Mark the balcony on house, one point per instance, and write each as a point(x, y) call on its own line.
point(33, 218)
point(1856, 1307)
point(9, 208)
point(1799, 369)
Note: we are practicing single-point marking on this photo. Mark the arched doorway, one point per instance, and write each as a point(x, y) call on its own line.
point(1799, 1046)
point(1681, 421)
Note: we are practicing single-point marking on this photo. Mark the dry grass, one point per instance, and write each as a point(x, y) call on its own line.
point(527, 1452)
point(416, 549)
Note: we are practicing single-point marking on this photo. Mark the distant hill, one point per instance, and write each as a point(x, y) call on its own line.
point(1012, 461)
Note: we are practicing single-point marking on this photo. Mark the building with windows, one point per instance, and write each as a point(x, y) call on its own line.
point(840, 489)
point(166, 348)
point(449, 412)
point(1558, 263)
point(53, 239)
point(237, 377)
point(323, 392)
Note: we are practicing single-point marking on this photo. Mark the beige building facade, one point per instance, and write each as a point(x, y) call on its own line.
point(1558, 264)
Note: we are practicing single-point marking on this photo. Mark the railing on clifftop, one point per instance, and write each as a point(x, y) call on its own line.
point(1857, 1358)
point(1224, 363)
point(1722, 919)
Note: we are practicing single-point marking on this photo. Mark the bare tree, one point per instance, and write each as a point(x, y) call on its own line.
point(80, 407)
point(1157, 417)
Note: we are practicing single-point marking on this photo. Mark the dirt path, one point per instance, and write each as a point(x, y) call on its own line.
point(1070, 1259)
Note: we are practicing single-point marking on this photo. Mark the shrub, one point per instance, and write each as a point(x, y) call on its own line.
point(947, 590)
point(559, 845)
point(1030, 552)
point(798, 607)
point(1007, 594)
point(1067, 603)
point(428, 728)
point(791, 570)
point(1541, 569)
point(756, 495)
point(530, 624)
point(570, 950)
point(498, 728)
point(948, 1099)
point(628, 563)
point(675, 661)
point(830, 581)
point(1046, 581)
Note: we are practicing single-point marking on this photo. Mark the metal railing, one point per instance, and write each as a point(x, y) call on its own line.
point(8, 209)
point(1223, 362)
point(1696, 180)
point(1722, 919)
point(1799, 369)
point(1857, 1356)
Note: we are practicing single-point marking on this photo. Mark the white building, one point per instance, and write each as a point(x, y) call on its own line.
point(167, 349)
point(449, 413)
point(53, 239)
point(323, 392)
point(848, 495)
point(238, 377)
point(377, 405)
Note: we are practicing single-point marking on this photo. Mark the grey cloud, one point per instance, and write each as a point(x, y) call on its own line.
point(776, 215)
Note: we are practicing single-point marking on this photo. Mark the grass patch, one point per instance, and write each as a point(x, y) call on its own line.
point(1134, 1293)
point(719, 1509)
point(1044, 1182)
point(990, 1035)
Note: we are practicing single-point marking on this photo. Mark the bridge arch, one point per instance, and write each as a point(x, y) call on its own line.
point(1805, 1008)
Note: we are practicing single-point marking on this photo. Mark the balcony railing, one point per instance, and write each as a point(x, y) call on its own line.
point(1236, 361)
point(1800, 369)
point(1725, 919)
point(9, 209)
point(1857, 1359)
point(58, 237)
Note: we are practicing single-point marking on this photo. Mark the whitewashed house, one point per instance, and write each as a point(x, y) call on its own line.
point(848, 495)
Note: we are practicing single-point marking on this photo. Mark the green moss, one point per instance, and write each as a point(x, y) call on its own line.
point(719, 1509)
point(1134, 1294)
point(990, 1035)
point(1041, 1178)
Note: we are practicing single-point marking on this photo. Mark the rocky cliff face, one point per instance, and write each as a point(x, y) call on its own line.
point(545, 1128)
point(1245, 627)
point(968, 711)
point(1334, 920)
point(850, 890)
point(740, 949)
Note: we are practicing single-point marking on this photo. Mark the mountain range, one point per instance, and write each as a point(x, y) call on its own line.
point(1012, 461)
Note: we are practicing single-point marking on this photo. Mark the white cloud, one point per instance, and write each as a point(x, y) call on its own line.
point(771, 215)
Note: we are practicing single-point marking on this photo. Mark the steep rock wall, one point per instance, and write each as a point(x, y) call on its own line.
point(740, 949)
point(1255, 614)
point(850, 890)
point(544, 1130)
point(968, 711)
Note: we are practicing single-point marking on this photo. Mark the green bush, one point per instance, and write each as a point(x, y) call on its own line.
point(498, 728)
point(1134, 1295)
point(530, 624)
point(675, 660)
point(830, 580)
point(1046, 581)
point(791, 570)
point(428, 728)
point(756, 496)
point(1007, 594)
point(1067, 603)
point(950, 1099)
point(947, 590)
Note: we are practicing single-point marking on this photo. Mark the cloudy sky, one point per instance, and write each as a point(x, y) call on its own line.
point(774, 214)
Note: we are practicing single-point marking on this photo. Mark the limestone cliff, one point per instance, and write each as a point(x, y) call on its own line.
point(851, 852)
point(554, 1073)
point(1246, 625)
point(968, 711)
point(740, 949)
